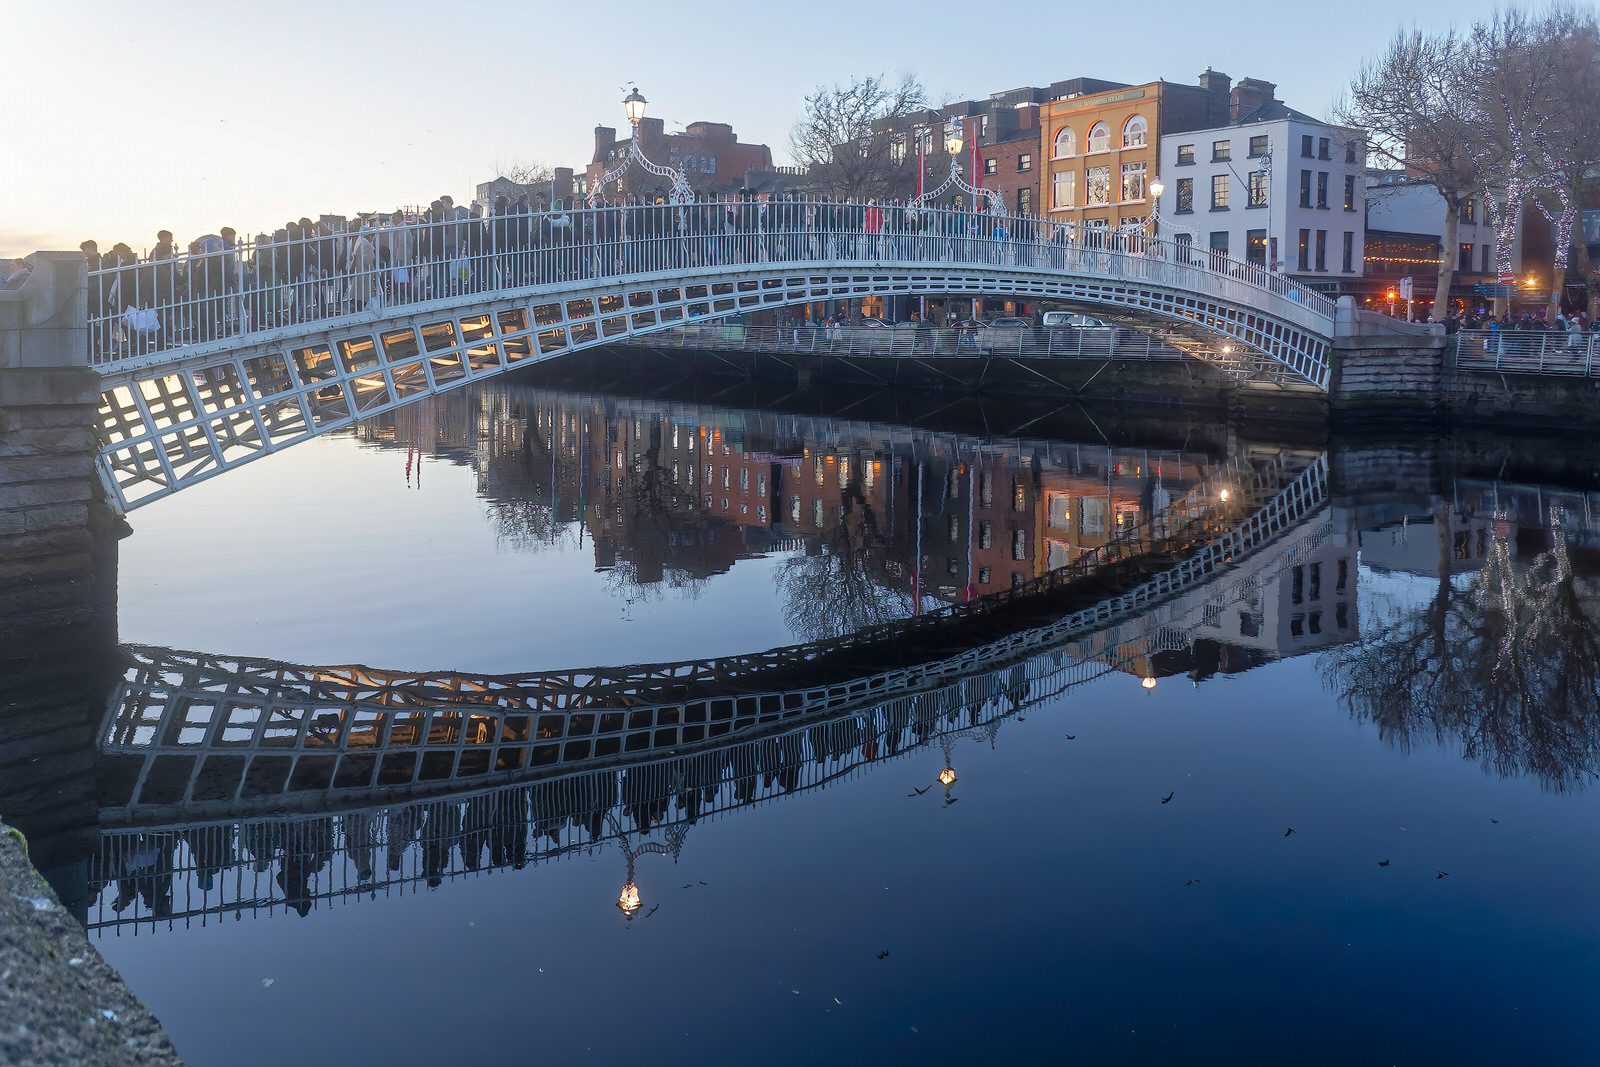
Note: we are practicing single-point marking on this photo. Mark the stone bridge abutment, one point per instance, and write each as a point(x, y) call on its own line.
point(57, 537)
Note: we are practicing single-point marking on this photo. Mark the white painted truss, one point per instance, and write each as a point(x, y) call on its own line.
point(177, 415)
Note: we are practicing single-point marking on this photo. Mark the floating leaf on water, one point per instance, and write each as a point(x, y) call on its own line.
point(76, 961)
point(266, 983)
point(108, 1015)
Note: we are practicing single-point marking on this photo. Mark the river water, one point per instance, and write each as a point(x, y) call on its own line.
point(1331, 802)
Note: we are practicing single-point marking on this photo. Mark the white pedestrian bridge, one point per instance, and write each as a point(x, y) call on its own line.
point(211, 360)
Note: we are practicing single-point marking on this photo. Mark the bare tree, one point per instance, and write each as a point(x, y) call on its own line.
point(847, 135)
point(1510, 66)
point(525, 172)
point(530, 176)
point(1567, 143)
point(1414, 102)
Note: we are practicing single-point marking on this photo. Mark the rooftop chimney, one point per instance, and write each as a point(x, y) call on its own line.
point(1248, 95)
point(1216, 85)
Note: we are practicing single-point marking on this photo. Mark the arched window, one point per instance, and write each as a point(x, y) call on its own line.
point(1099, 137)
point(1135, 132)
point(1066, 143)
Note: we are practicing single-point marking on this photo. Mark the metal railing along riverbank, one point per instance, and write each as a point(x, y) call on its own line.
point(1018, 342)
point(140, 308)
point(1527, 352)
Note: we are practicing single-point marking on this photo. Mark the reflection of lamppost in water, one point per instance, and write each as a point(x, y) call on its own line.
point(986, 732)
point(1149, 682)
point(629, 900)
point(633, 104)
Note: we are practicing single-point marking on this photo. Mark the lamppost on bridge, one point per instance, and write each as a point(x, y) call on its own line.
point(1157, 187)
point(953, 142)
point(680, 193)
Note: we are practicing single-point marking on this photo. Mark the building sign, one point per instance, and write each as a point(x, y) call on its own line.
point(1100, 101)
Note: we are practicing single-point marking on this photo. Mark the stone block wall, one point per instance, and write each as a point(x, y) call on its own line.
point(1385, 370)
point(56, 539)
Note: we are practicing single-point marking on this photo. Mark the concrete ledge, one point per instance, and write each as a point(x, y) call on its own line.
point(60, 1002)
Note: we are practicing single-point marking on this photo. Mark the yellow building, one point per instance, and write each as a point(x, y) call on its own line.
point(1102, 149)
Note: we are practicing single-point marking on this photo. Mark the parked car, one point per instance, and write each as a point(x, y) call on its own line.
point(1010, 323)
point(1069, 319)
point(870, 323)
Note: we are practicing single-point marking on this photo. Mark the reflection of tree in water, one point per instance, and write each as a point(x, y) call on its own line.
point(523, 525)
point(1507, 666)
point(838, 585)
point(659, 544)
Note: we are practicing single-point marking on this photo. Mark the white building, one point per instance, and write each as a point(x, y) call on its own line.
point(1274, 187)
point(1405, 223)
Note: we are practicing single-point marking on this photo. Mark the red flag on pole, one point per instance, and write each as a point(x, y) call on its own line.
point(977, 171)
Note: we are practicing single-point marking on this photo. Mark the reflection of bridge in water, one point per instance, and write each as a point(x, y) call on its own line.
point(428, 776)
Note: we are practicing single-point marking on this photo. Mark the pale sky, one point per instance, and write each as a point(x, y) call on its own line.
point(121, 118)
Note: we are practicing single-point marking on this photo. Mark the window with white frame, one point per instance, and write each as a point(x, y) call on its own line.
point(1025, 161)
point(1135, 132)
point(1099, 137)
point(1098, 187)
point(991, 165)
point(1219, 192)
point(1066, 143)
point(1132, 182)
point(1064, 189)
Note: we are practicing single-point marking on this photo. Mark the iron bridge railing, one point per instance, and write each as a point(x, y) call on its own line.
point(141, 310)
point(1554, 352)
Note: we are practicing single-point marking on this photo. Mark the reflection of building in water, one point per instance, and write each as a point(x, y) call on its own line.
point(1301, 608)
point(1450, 542)
point(682, 494)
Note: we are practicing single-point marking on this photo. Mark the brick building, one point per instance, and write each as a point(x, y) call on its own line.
point(1103, 147)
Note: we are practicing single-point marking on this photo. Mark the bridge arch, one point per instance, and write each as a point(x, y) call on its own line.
point(173, 417)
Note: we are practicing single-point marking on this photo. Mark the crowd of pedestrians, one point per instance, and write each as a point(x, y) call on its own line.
point(1566, 335)
point(218, 286)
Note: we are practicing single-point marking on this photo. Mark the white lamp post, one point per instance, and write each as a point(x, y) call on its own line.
point(953, 141)
point(633, 105)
